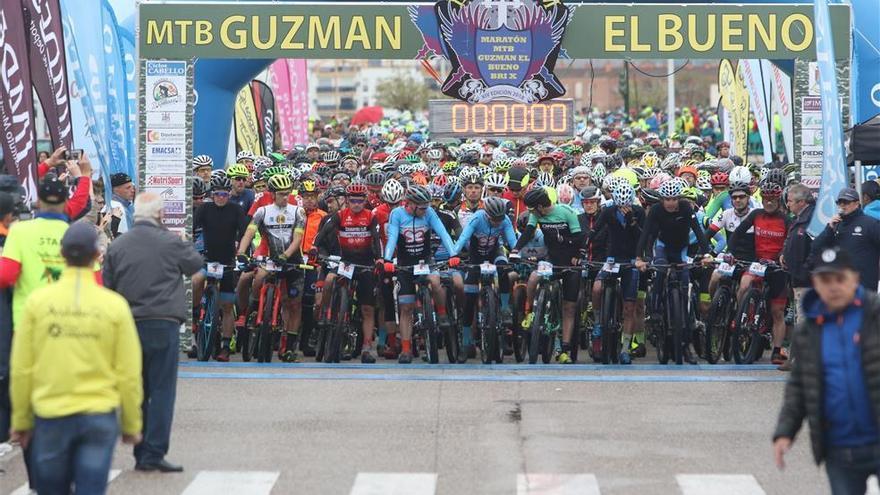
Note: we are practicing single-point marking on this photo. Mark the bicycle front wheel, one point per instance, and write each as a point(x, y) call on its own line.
point(717, 325)
point(207, 336)
point(451, 340)
point(489, 350)
point(265, 332)
point(432, 336)
point(746, 336)
point(610, 336)
point(536, 328)
point(678, 325)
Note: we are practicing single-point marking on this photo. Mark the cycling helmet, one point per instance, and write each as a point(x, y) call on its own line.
point(496, 180)
point(704, 184)
point(530, 158)
point(199, 187)
point(336, 192)
point(545, 179)
point(565, 194)
point(218, 173)
point(417, 194)
point(496, 208)
point(450, 166)
point(221, 183)
point(436, 191)
point(580, 170)
point(294, 173)
point(273, 171)
point(440, 180)
point(202, 161)
point(590, 192)
point(280, 183)
point(330, 156)
point(719, 179)
point(237, 172)
point(262, 162)
point(672, 188)
point(308, 186)
point(691, 193)
point(623, 194)
point(650, 196)
point(356, 189)
point(740, 175)
point(640, 172)
point(599, 172)
point(452, 192)
point(375, 179)
point(612, 162)
point(776, 175)
point(435, 155)
point(322, 182)
point(671, 161)
point(650, 159)
point(472, 177)
point(392, 192)
point(687, 170)
point(538, 196)
point(658, 180)
point(244, 155)
point(762, 173)
point(501, 165)
point(770, 190)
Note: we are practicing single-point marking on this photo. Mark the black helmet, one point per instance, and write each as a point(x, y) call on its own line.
point(418, 195)
point(199, 187)
point(496, 208)
point(537, 197)
point(221, 183)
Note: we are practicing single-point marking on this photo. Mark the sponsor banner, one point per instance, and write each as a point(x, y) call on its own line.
point(166, 82)
point(129, 59)
point(120, 137)
point(166, 136)
point(153, 167)
point(264, 101)
point(289, 80)
point(735, 99)
point(17, 130)
point(166, 152)
point(781, 86)
point(811, 140)
point(48, 67)
point(754, 80)
point(389, 31)
point(165, 181)
point(168, 120)
point(870, 172)
point(247, 127)
point(834, 172)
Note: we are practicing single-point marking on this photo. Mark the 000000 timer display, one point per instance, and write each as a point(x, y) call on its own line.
point(456, 119)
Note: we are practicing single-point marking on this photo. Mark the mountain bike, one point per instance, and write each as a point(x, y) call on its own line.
point(667, 322)
point(754, 324)
point(269, 320)
point(452, 335)
point(611, 313)
point(488, 315)
point(722, 312)
point(208, 335)
point(424, 317)
point(341, 336)
point(547, 317)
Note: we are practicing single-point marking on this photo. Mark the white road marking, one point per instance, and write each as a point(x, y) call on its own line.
point(719, 484)
point(237, 482)
point(24, 490)
point(394, 484)
point(557, 484)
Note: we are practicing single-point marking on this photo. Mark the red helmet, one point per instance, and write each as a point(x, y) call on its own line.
point(356, 189)
point(440, 180)
point(770, 190)
point(719, 179)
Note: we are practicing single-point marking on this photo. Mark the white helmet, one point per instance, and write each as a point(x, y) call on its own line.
point(740, 174)
point(496, 180)
point(392, 192)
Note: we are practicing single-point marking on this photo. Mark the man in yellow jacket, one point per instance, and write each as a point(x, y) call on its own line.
point(76, 360)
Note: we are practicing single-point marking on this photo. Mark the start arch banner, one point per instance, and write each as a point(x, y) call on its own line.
point(263, 30)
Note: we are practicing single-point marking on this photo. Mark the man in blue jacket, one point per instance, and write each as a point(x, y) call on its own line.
point(857, 234)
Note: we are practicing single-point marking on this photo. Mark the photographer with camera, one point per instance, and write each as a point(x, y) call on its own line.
point(75, 169)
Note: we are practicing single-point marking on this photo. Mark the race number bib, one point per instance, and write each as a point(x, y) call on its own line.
point(726, 269)
point(421, 269)
point(488, 269)
point(215, 270)
point(757, 269)
point(545, 269)
point(346, 270)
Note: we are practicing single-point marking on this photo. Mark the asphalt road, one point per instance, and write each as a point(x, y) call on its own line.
point(350, 429)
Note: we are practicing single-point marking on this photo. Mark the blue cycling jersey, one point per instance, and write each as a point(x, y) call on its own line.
point(413, 235)
point(484, 237)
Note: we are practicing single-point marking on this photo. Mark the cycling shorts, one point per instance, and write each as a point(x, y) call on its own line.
point(777, 281)
point(387, 284)
point(571, 285)
point(629, 282)
point(227, 284)
point(366, 287)
point(295, 282)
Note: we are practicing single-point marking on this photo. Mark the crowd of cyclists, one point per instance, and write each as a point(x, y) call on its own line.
point(395, 212)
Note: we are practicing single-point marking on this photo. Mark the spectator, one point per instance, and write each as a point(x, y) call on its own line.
point(835, 382)
point(146, 266)
point(871, 198)
point(7, 212)
point(121, 204)
point(79, 172)
point(796, 251)
point(856, 233)
point(75, 362)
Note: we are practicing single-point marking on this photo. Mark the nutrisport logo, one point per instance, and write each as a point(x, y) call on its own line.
point(497, 48)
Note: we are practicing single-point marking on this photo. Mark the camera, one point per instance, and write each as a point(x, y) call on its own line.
point(9, 185)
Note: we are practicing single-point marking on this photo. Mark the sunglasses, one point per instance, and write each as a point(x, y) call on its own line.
point(221, 194)
point(844, 202)
point(496, 189)
point(238, 178)
point(356, 201)
point(738, 197)
point(422, 208)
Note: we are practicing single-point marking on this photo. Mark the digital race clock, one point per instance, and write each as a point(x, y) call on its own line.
point(500, 118)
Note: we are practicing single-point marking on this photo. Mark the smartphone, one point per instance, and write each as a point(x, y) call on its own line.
point(75, 154)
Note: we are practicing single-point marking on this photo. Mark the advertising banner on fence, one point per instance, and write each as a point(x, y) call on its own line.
point(247, 128)
point(16, 100)
point(781, 91)
point(49, 67)
point(834, 177)
point(388, 31)
point(264, 102)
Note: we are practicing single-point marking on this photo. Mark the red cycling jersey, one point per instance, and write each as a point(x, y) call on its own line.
point(770, 232)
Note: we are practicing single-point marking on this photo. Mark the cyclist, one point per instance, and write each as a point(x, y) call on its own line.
point(518, 179)
point(770, 225)
point(473, 191)
point(391, 195)
point(670, 223)
point(357, 232)
point(597, 241)
point(202, 166)
point(241, 195)
point(408, 226)
point(308, 192)
point(496, 184)
point(282, 225)
point(483, 236)
point(727, 222)
point(564, 238)
point(221, 223)
point(623, 221)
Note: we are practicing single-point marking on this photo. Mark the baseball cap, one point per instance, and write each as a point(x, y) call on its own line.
point(833, 260)
point(119, 179)
point(80, 239)
point(52, 190)
point(847, 194)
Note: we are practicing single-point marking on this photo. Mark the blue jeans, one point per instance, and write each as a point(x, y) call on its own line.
point(159, 344)
point(849, 468)
point(73, 450)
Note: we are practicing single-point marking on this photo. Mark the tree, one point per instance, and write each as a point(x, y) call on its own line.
point(404, 92)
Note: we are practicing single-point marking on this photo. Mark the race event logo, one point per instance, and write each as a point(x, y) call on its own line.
point(497, 48)
point(165, 93)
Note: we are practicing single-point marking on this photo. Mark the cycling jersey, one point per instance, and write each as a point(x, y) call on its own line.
point(623, 231)
point(517, 205)
point(483, 238)
point(671, 229)
point(465, 213)
point(265, 199)
point(412, 234)
point(277, 226)
point(382, 212)
point(597, 242)
point(312, 226)
point(222, 228)
point(357, 234)
point(244, 200)
point(450, 223)
point(727, 223)
point(769, 231)
point(562, 233)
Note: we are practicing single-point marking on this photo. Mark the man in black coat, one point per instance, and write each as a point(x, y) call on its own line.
point(835, 381)
point(796, 252)
point(857, 234)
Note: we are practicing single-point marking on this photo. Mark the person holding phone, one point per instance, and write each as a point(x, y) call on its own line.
point(74, 168)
